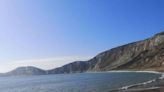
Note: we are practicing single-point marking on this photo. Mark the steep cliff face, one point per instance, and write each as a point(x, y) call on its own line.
point(142, 55)
point(75, 67)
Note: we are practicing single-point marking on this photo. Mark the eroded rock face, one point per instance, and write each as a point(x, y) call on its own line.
point(159, 39)
point(143, 55)
point(75, 67)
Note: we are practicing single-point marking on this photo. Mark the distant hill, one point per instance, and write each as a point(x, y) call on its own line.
point(147, 54)
point(75, 67)
point(29, 70)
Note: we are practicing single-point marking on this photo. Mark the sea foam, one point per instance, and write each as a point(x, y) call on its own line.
point(143, 83)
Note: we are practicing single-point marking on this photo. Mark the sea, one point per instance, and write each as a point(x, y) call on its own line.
point(81, 82)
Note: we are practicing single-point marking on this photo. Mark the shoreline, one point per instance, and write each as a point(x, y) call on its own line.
point(154, 85)
point(119, 71)
point(152, 89)
point(147, 86)
point(155, 72)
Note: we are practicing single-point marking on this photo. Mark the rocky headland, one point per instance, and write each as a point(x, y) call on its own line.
point(142, 55)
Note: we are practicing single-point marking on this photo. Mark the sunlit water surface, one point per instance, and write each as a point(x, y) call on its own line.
point(85, 82)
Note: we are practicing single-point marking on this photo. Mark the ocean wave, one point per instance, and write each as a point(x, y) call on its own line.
point(143, 83)
point(155, 72)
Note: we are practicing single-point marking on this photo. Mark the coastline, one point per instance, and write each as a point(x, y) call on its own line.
point(155, 72)
point(154, 85)
point(119, 71)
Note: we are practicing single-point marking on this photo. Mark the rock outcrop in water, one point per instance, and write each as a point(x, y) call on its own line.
point(142, 55)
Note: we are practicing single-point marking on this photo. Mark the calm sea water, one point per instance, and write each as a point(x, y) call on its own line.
point(85, 82)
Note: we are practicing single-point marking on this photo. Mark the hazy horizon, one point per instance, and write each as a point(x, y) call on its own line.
point(49, 34)
point(43, 63)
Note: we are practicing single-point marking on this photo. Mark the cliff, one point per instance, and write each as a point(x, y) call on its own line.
point(147, 54)
point(142, 55)
point(75, 67)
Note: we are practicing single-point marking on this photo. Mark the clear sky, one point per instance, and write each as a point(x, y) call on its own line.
point(50, 33)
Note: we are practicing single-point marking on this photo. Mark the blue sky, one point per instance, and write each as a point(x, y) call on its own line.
point(62, 31)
